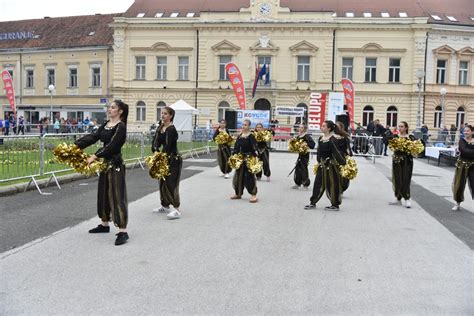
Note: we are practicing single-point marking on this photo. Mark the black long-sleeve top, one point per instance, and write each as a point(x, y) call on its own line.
point(168, 139)
point(246, 145)
point(113, 139)
point(327, 149)
point(308, 139)
point(344, 145)
point(466, 150)
point(218, 131)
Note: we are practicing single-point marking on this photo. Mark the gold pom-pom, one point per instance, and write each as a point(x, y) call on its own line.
point(406, 145)
point(76, 158)
point(416, 147)
point(263, 136)
point(349, 170)
point(224, 139)
point(315, 168)
point(253, 164)
point(158, 164)
point(299, 146)
point(235, 161)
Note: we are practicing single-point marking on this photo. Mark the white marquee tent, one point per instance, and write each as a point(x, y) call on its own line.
point(183, 119)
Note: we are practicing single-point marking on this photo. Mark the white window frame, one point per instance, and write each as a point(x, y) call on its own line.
point(161, 69)
point(140, 111)
point(183, 68)
point(463, 73)
point(265, 60)
point(347, 70)
point(441, 71)
point(28, 84)
point(70, 77)
point(392, 116)
point(394, 70)
point(140, 68)
point(370, 115)
point(372, 70)
point(303, 70)
point(95, 77)
point(222, 73)
point(460, 117)
point(48, 76)
point(222, 109)
point(438, 113)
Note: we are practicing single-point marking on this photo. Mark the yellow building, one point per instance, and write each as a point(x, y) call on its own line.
point(165, 51)
point(73, 54)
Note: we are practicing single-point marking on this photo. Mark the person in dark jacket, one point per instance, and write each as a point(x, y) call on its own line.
point(464, 167)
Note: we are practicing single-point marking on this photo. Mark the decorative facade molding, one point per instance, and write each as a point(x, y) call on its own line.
point(162, 47)
point(444, 50)
point(304, 47)
point(225, 47)
point(373, 48)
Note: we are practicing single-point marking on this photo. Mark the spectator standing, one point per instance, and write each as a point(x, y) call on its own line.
point(21, 125)
point(6, 125)
point(452, 133)
point(56, 126)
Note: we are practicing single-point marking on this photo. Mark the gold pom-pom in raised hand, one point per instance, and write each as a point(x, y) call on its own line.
point(224, 139)
point(76, 158)
point(263, 136)
point(299, 146)
point(416, 147)
point(349, 170)
point(406, 145)
point(253, 164)
point(158, 163)
point(235, 161)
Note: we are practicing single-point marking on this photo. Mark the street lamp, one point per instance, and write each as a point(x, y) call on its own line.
point(443, 92)
point(51, 89)
point(420, 74)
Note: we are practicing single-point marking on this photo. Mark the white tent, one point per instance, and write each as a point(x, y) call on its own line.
point(183, 119)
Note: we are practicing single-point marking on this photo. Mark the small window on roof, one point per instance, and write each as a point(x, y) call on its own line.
point(174, 15)
point(140, 15)
point(436, 17)
point(385, 15)
point(403, 14)
point(190, 15)
point(451, 18)
point(472, 18)
point(367, 15)
point(91, 33)
point(350, 14)
point(334, 15)
point(159, 15)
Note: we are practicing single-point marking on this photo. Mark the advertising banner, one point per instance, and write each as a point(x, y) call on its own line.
point(10, 91)
point(349, 95)
point(289, 111)
point(235, 77)
point(254, 116)
point(335, 105)
point(317, 110)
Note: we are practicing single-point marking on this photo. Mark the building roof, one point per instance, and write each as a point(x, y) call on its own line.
point(461, 10)
point(62, 32)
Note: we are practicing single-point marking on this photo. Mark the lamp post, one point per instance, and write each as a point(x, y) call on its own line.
point(443, 92)
point(51, 89)
point(420, 74)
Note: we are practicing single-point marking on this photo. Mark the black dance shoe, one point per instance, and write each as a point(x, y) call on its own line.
point(121, 238)
point(100, 229)
point(332, 208)
point(310, 206)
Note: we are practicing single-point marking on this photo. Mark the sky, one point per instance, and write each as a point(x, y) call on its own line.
point(11, 10)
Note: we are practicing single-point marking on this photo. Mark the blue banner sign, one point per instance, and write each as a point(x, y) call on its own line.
point(254, 116)
point(16, 36)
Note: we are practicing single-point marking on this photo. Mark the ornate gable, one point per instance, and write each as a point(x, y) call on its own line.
point(304, 48)
point(264, 46)
point(373, 48)
point(444, 50)
point(466, 51)
point(162, 47)
point(225, 47)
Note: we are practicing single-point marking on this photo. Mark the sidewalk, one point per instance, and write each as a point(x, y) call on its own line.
point(233, 257)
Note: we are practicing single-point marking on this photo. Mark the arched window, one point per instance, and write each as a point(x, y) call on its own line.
point(367, 115)
point(392, 116)
point(460, 117)
point(141, 111)
point(160, 105)
point(437, 116)
point(222, 108)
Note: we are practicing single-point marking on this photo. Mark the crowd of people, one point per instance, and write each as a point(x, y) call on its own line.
point(334, 149)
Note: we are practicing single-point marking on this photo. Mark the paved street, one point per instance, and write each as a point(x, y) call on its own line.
point(233, 257)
